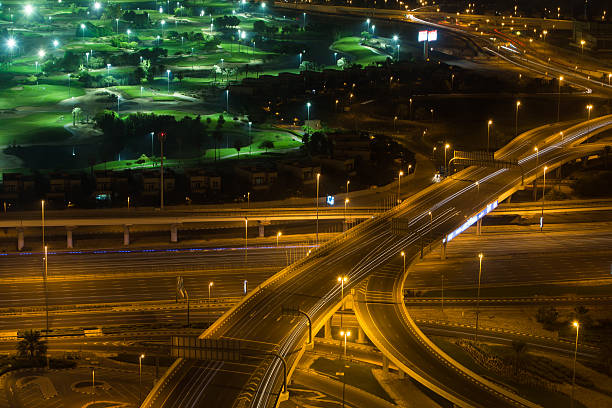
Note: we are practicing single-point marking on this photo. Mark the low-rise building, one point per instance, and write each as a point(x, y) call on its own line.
point(259, 177)
point(306, 172)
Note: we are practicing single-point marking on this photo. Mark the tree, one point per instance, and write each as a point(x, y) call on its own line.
point(259, 27)
point(76, 114)
point(31, 346)
point(520, 348)
point(238, 146)
point(266, 144)
point(547, 315)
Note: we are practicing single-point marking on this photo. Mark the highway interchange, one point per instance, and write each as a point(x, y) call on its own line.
point(368, 255)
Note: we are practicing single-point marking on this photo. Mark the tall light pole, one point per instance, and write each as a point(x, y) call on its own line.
point(341, 280)
point(246, 251)
point(535, 149)
point(577, 326)
point(403, 255)
point(42, 215)
point(317, 201)
point(399, 183)
point(210, 285)
point(140, 377)
point(83, 32)
point(559, 100)
point(93, 386)
point(152, 133)
point(480, 256)
point(346, 201)
point(345, 334)
point(411, 108)
point(589, 107)
point(163, 22)
point(68, 85)
point(446, 147)
point(518, 104)
point(543, 197)
point(347, 188)
point(117, 21)
point(168, 72)
point(582, 42)
point(161, 137)
point(489, 123)
point(227, 100)
point(278, 235)
point(308, 105)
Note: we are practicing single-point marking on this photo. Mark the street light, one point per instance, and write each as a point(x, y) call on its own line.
point(489, 123)
point(278, 235)
point(140, 377)
point(28, 10)
point(543, 197)
point(317, 201)
point(399, 183)
point(346, 201)
point(446, 147)
point(345, 334)
point(83, 32)
point(128, 34)
point(535, 149)
point(246, 248)
point(308, 105)
point(168, 73)
point(480, 256)
point(55, 43)
point(577, 326)
point(403, 255)
point(588, 108)
point(582, 42)
point(163, 22)
point(210, 285)
point(559, 100)
point(341, 280)
point(518, 104)
point(108, 69)
point(117, 21)
point(227, 101)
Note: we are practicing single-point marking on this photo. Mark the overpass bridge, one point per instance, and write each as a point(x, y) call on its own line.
point(70, 220)
point(369, 250)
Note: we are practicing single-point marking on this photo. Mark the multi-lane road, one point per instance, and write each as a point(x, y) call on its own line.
point(312, 284)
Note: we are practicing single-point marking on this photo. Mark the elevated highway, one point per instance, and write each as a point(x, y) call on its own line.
point(362, 252)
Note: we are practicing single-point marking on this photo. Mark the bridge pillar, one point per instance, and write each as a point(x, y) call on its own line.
point(479, 227)
point(261, 230)
point(361, 338)
point(20, 239)
point(69, 243)
point(385, 365)
point(328, 328)
point(443, 251)
point(535, 189)
point(174, 233)
point(126, 235)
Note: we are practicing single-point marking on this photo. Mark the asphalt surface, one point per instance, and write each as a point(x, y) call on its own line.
point(519, 255)
point(312, 285)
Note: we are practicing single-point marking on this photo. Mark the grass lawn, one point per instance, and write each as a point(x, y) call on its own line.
point(360, 54)
point(34, 128)
point(33, 95)
point(356, 375)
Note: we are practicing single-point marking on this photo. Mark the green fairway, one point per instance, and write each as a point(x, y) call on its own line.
point(35, 128)
point(359, 54)
point(35, 95)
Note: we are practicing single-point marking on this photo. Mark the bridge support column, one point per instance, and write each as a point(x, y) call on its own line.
point(328, 328)
point(479, 227)
point(126, 235)
point(385, 365)
point(443, 251)
point(261, 230)
point(20, 239)
point(361, 338)
point(174, 233)
point(535, 189)
point(69, 243)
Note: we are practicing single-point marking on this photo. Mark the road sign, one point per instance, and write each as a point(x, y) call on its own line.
point(483, 159)
point(428, 35)
point(422, 36)
point(205, 349)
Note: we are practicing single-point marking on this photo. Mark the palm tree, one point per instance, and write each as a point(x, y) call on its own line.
point(520, 348)
point(31, 346)
point(76, 113)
